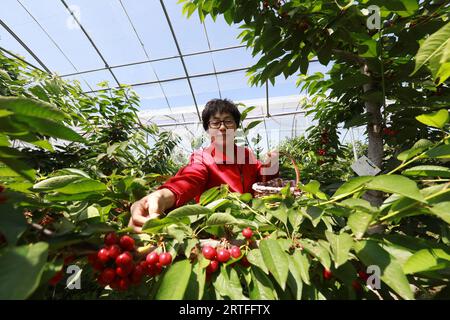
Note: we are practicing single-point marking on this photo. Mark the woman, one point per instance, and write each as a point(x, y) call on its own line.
point(221, 163)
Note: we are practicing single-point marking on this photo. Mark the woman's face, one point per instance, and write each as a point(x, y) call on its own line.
point(222, 128)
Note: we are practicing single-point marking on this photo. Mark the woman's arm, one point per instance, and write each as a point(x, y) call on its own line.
point(150, 207)
point(189, 182)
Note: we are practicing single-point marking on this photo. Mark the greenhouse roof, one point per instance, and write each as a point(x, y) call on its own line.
point(175, 64)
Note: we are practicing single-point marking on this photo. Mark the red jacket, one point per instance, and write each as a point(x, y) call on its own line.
point(208, 168)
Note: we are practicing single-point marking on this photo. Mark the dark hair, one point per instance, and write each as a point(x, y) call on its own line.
point(220, 106)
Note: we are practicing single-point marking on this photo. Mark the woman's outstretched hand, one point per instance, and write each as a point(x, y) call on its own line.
point(150, 207)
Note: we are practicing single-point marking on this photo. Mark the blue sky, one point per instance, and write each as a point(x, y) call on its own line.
point(66, 50)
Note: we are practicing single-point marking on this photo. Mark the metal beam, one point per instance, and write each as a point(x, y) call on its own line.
point(248, 118)
point(91, 41)
point(181, 57)
point(15, 36)
point(19, 58)
point(154, 60)
point(175, 79)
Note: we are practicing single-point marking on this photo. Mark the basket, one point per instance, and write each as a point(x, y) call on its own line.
point(275, 186)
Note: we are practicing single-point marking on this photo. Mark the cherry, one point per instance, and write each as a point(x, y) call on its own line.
point(235, 252)
point(124, 260)
point(244, 262)
point(327, 274)
point(56, 278)
point(165, 258)
point(69, 259)
point(98, 265)
point(356, 285)
point(124, 271)
point(108, 275)
point(212, 267)
point(127, 243)
point(123, 284)
point(103, 255)
point(363, 276)
point(114, 251)
point(322, 152)
point(209, 252)
point(92, 258)
point(223, 255)
point(152, 258)
point(247, 233)
point(154, 269)
point(137, 274)
point(111, 238)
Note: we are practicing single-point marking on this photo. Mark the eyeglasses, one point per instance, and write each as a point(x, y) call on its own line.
point(215, 124)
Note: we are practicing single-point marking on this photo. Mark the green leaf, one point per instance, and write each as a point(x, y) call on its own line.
point(175, 281)
point(294, 281)
point(371, 253)
point(313, 187)
point(428, 171)
point(51, 128)
point(229, 285)
point(255, 258)
point(317, 251)
point(220, 219)
point(275, 260)
point(418, 147)
point(340, 246)
point(155, 225)
point(216, 204)
point(433, 48)
point(261, 287)
point(20, 167)
point(189, 210)
point(350, 186)
point(70, 184)
point(440, 152)
point(12, 223)
point(396, 184)
point(299, 263)
point(21, 269)
point(442, 210)
point(359, 222)
point(427, 260)
point(436, 119)
point(22, 106)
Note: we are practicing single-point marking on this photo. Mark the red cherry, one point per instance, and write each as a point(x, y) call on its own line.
point(244, 262)
point(209, 252)
point(212, 267)
point(92, 258)
point(69, 259)
point(56, 278)
point(356, 285)
point(127, 243)
point(165, 258)
point(124, 260)
point(98, 265)
point(154, 269)
point(123, 284)
point(108, 275)
point(114, 251)
point(111, 238)
point(364, 276)
point(103, 255)
point(327, 274)
point(247, 233)
point(137, 274)
point(223, 255)
point(152, 258)
point(124, 271)
point(235, 252)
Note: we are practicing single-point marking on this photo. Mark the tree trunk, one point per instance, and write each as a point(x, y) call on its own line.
point(374, 129)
